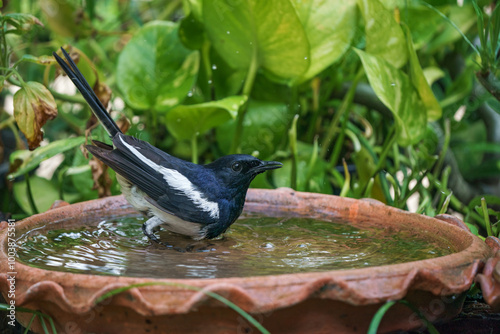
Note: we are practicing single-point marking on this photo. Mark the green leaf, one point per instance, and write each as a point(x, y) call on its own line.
point(330, 27)
point(191, 32)
point(226, 80)
point(64, 18)
point(264, 127)
point(463, 17)
point(384, 37)
point(45, 193)
point(309, 178)
point(31, 159)
point(394, 89)
point(271, 29)
point(418, 80)
point(42, 60)
point(420, 19)
point(23, 22)
point(185, 121)
point(80, 175)
point(195, 8)
point(155, 71)
point(432, 74)
point(473, 228)
point(33, 106)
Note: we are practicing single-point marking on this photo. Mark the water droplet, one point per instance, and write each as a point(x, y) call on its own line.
point(209, 82)
point(228, 32)
point(393, 84)
point(237, 51)
point(190, 93)
point(214, 67)
point(305, 58)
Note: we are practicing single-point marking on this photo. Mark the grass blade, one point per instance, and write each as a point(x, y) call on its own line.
point(26, 330)
point(377, 318)
point(223, 300)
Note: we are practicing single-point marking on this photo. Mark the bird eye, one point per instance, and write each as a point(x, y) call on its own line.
point(236, 167)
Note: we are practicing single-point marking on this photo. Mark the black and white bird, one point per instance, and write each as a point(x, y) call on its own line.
point(200, 201)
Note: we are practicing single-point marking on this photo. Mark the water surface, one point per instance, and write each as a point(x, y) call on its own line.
point(251, 247)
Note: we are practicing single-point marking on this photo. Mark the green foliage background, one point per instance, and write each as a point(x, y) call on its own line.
point(387, 99)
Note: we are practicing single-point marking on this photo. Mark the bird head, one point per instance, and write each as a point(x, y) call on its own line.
point(236, 171)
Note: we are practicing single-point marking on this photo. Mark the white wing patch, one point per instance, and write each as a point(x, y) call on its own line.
point(179, 182)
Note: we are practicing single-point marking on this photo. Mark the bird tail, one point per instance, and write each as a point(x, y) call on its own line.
point(83, 86)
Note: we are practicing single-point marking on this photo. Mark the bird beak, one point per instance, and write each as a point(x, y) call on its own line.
point(267, 165)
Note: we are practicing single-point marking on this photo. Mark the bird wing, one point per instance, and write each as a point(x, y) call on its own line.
point(156, 174)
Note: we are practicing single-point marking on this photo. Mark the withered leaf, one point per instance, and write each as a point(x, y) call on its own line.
point(33, 106)
point(102, 181)
point(103, 92)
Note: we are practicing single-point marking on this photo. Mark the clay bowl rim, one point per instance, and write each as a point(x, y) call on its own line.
point(346, 285)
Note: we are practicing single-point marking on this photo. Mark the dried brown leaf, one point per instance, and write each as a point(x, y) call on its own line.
point(33, 106)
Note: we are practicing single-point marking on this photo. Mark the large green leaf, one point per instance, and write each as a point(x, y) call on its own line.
point(155, 70)
point(419, 81)
point(185, 121)
point(271, 29)
point(395, 90)
point(265, 126)
point(384, 37)
point(31, 159)
point(330, 27)
point(44, 194)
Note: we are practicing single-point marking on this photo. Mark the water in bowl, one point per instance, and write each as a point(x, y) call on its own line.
point(251, 247)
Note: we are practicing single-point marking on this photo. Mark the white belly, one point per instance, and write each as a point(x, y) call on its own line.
point(137, 198)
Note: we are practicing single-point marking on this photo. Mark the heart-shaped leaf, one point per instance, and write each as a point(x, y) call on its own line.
point(269, 30)
point(330, 27)
point(264, 127)
point(33, 106)
point(384, 36)
point(185, 121)
point(395, 90)
point(155, 70)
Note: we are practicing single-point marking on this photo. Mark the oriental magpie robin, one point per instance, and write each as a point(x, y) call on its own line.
point(200, 201)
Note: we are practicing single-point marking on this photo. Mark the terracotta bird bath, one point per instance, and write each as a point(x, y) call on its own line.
point(337, 301)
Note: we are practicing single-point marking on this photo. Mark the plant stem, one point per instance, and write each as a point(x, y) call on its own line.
point(205, 58)
point(334, 158)
point(346, 104)
point(490, 83)
point(247, 89)
point(30, 194)
point(8, 122)
point(292, 136)
point(486, 216)
point(446, 144)
point(347, 181)
point(385, 151)
point(194, 148)
point(312, 163)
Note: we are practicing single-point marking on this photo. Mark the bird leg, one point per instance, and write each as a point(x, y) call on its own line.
point(148, 228)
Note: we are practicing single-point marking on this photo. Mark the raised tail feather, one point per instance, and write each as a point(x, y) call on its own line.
point(83, 86)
